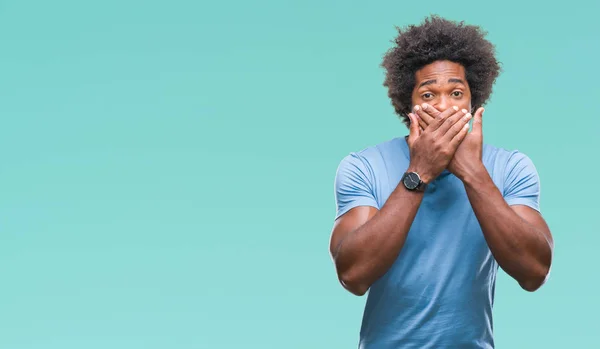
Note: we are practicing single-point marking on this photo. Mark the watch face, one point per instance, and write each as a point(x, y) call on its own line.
point(411, 180)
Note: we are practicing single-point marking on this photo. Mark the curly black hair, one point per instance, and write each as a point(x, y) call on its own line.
point(433, 40)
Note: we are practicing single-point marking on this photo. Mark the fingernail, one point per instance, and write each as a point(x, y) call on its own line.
point(468, 116)
point(464, 111)
point(455, 108)
point(425, 106)
point(416, 108)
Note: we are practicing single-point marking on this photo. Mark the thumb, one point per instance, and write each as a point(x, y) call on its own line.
point(477, 122)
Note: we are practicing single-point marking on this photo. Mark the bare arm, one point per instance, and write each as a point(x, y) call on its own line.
point(365, 241)
point(517, 236)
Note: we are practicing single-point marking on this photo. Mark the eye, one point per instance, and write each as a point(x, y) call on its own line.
point(427, 95)
point(457, 94)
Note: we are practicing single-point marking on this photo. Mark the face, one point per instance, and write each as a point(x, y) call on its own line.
point(443, 85)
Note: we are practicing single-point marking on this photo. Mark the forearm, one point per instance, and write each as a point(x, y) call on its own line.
point(365, 254)
point(520, 249)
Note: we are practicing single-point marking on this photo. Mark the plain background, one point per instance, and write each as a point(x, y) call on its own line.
point(167, 166)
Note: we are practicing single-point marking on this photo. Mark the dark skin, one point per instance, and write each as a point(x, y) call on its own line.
point(365, 241)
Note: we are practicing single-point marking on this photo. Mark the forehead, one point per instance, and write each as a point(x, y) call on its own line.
point(441, 71)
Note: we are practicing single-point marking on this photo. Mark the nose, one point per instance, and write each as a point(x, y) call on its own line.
point(442, 103)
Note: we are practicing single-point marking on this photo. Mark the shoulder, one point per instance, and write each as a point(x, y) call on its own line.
point(360, 174)
point(505, 160)
point(515, 175)
point(370, 164)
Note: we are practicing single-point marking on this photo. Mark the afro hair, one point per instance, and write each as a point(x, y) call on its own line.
point(434, 40)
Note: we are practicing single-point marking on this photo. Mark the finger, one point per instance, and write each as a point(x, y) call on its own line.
point(421, 122)
point(414, 125)
point(477, 122)
point(449, 122)
point(435, 113)
point(427, 113)
point(459, 137)
point(413, 129)
point(441, 119)
point(458, 127)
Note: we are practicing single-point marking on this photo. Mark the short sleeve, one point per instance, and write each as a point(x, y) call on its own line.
point(522, 183)
point(353, 185)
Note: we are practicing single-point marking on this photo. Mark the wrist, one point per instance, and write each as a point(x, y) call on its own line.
point(425, 177)
point(475, 176)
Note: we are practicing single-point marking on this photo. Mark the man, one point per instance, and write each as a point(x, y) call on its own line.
point(424, 221)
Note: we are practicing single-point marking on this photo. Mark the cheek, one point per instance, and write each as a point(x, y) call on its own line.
point(468, 104)
point(465, 105)
point(415, 99)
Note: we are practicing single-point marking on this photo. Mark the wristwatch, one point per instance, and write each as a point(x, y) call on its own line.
point(412, 181)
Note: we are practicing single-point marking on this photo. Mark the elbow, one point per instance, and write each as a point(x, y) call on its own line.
point(353, 284)
point(535, 282)
point(530, 286)
point(355, 288)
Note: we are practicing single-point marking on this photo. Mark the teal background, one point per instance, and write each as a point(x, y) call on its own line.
point(167, 167)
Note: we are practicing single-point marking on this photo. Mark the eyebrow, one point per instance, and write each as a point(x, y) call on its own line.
point(428, 82)
point(451, 80)
point(459, 81)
